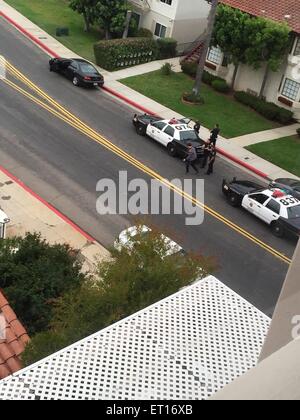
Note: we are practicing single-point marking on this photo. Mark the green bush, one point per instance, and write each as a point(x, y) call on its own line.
point(220, 86)
point(298, 131)
point(189, 68)
point(267, 109)
point(208, 78)
point(144, 33)
point(166, 69)
point(192, 98)
point(285, 116)
point(167, 47)
point(116, 54)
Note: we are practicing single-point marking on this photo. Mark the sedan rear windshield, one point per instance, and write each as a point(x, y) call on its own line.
point(293, 212)
point(188, 135)
point(87, 68)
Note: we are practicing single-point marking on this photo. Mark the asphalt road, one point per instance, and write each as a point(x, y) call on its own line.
point(63, 166)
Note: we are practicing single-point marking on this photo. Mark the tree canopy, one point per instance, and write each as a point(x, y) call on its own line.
point(136, 276)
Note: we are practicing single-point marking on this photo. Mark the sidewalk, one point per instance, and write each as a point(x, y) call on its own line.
point(233, 149)
point(268, 135)
point(28, 214)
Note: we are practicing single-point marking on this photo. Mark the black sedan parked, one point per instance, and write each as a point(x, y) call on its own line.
point(81, 72)
point(291, 186)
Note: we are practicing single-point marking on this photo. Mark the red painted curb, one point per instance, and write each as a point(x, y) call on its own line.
point(244, 164)
point(129, 101)
point(32, 37)
point(48, 205)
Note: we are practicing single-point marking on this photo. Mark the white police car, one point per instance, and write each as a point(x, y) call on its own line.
point(275, 207)
point(173, 134)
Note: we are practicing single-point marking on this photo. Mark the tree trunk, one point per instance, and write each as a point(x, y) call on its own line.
point(265, 79)
point(127, 23)
point(236, 69)
point(87, 26)
point(209, 31)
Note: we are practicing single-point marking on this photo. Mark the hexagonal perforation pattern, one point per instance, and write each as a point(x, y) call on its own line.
point(187, 346)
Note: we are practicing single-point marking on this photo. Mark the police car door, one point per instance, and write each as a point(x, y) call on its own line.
point(154, 130)
point(270, 211)
point(167, 135)
point(254, 203)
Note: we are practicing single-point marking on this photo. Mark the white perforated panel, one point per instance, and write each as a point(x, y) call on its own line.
point(187, 346)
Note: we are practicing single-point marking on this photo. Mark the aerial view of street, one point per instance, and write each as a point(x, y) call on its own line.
point(150, 203)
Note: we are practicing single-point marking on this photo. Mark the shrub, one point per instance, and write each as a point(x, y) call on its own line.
point(166, 69)
point(167, 47)
point(192, 98)
point(208, 78)
point(189, 68)
point(220, 86)
point(298, 131)
point(285, 116)
point(119, 53)
point(267, 109)
point(144, 33)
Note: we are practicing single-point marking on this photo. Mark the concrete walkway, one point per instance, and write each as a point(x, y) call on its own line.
point(28, 214)
point(268, 135)
point(234, 147)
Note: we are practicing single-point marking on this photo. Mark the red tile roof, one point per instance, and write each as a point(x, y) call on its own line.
point(272, 9)
point(14, 343)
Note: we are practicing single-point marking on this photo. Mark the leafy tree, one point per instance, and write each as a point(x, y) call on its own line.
point(137, 276)
point(111, 16)
point(87, 9)
point(33, 274)
point(229, 35)
point(268, 43)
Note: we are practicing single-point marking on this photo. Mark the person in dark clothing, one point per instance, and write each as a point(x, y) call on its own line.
point(191, 158)
point(197, 127)
point(211, 160)
point(207, 149)
point(214, 134)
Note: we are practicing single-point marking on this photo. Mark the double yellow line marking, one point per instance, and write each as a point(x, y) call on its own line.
point(53, 107)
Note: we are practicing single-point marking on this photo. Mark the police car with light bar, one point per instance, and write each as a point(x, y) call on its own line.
point(273, 206)
point(173, 134)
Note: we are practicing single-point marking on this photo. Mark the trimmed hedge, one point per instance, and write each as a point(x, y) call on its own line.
point(167, 47)
point(116, 54)
point(190, 68)
point(298, 131)
point(220, 86)
point(144, 33)
point(267, 109)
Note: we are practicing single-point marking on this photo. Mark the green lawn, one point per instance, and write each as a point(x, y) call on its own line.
point(234, 118)
point(284, 152)
point(49, 14)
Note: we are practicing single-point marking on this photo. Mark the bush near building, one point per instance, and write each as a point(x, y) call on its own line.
point(267, 109)
point(167, 47)
point(116, 54)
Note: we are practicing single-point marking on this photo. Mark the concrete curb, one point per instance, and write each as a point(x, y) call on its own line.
point(48, 205)
point(129, 101)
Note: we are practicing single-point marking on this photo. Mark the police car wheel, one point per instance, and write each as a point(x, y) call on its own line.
point(233, 200)
point(172, 150)
point(140, 130)
point(277, 230)
point(75, 81)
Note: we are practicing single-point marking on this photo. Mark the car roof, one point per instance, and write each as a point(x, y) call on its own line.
point(178, 126)
point(279, 195)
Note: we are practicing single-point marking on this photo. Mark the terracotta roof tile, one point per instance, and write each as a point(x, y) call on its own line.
point(15, 340)
point(273, 9)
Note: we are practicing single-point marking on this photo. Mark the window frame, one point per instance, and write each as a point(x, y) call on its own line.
point(285, 91)
point(218, 53)
point(161, 26)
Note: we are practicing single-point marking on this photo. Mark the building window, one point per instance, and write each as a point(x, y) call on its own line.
point(297, 48)
point(169, 2)
point(215, 55)
point(160, 30)
point(291, 89)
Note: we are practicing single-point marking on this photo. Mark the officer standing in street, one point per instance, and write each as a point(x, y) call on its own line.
point(211, 160)
point(214, 134)
point(206, 152)
point(197, 127)
point(191, 158)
